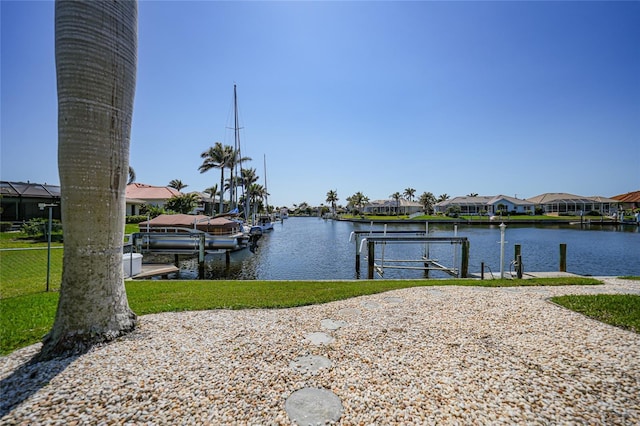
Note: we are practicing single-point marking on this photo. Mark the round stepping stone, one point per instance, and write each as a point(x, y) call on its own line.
point(330, 324)
point(393, 299)
point(310, 363)
point(370, 305)
point(319, 338)
point(349, 311)
point(312, 406)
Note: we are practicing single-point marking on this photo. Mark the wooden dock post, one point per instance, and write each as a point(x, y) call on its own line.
point(464, 261)
point(357, 257)
point(371, 259)
point(518, 259)
point(227, 258)
point(563, 257)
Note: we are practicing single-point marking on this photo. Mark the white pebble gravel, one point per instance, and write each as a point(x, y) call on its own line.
point(426, 355)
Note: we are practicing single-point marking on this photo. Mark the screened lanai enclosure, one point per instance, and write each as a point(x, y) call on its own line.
point(21, 200)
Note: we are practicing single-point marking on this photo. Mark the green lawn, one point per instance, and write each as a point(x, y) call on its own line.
point(621, 310)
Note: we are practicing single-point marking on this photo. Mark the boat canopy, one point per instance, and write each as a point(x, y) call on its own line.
point(200, 222)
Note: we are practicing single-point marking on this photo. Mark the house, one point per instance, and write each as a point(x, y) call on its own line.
point(628, 201)
point(138, 194)
point(392, 207)
point(20, 201)
point(206, 203)
point(556, 203)
point(506, 204)
point(468, 205)
point(486, 205)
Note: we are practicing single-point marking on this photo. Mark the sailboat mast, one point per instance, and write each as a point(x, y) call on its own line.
point(236, 148)
point(266, 193)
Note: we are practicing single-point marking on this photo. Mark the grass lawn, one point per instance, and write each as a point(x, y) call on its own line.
point(621, 310)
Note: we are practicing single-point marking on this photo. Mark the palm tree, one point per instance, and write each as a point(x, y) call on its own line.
point(409, 193)
point(177, 184)
point(473, 194)
point(234, 159)
point(443, 197)
point(358, 200)
point(248, 178)
point(427, 199)
point(396, 196)
point(212, 191)
point(93, 167)
point(332, 197)
point(183, 203)
point(132, 176)
point(217, 157)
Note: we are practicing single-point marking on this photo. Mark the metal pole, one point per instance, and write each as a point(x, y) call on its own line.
point(502, 228)
point(49, 246)
point(371, 259)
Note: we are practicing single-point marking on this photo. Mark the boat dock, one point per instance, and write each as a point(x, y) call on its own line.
point(150, 270)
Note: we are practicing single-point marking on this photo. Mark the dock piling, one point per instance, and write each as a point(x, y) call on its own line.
point(464, 261)
point(563, 257)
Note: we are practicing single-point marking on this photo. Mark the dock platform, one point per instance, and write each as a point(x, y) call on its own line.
point(150, 270)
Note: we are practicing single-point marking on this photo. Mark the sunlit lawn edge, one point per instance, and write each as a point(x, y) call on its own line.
point(620, 310)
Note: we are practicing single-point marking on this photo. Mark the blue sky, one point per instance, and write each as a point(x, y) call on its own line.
point(514, 98)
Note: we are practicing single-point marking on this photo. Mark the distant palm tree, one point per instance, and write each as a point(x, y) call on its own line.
point(396, 196)
point(332, 197)
point(427, 199)
point(409, 193)
point(217, 157)
point(473, 194)
point(248, 178)
point(357, 200)
point(212, 191)
point(443, 197)
point(177, 184)
point(235, 159)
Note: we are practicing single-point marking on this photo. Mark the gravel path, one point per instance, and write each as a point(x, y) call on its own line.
point(429, 355)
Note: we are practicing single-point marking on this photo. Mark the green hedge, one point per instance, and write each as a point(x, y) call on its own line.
point(136, 219)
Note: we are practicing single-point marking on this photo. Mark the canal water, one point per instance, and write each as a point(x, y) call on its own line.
point(310, 248)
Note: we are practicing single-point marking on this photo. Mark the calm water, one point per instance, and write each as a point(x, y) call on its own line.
point(313, 248)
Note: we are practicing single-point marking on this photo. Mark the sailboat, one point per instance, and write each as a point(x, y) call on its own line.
point(264, 222)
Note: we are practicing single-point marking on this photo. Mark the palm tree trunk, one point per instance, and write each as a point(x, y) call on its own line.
point(221, 189)
point(96, 57)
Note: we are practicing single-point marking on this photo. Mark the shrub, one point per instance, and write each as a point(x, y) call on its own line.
point(38, 227)
point(5, 226)
point(151, 210)
point(453, 211)
point(136, 219)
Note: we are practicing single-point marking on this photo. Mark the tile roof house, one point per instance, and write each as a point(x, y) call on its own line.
point(138, 194)
point(629, 201)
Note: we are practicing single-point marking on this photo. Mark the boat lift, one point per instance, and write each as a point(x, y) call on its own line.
point(373, 238)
